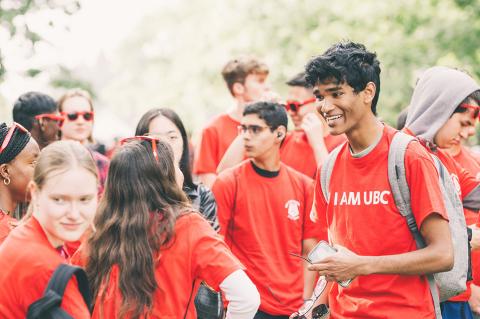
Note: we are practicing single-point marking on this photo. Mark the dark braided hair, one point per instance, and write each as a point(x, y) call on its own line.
point(18, 142)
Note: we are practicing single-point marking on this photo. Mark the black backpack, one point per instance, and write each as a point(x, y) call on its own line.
point(48, 307)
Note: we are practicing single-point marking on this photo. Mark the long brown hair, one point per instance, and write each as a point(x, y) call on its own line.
point(136, 217)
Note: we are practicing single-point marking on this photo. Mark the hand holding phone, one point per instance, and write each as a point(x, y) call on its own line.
point(321, 251)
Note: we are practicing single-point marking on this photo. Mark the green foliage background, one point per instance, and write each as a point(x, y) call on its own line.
point(175, 55)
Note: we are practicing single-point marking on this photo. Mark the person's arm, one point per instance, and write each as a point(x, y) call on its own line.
point(437, 256)
point(206, 159)
point(242, 296)
point(314, 129)
point(233, 156)
point(309, 276)
point(208, 206)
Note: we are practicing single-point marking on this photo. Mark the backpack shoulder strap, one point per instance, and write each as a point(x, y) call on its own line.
point(55, 290)
point(401, 194)
point(398, 182)
point(326, 171)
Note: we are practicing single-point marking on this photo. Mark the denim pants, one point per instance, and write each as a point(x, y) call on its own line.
point(456, 310)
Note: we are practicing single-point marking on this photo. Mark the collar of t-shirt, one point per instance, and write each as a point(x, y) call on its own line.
point(370, 148)
point(264, 172)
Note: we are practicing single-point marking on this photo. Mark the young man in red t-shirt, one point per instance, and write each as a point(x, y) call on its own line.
point(246, 79)
point(375, 246)
point(443, 109)
point(263, 210)
point(309, 143)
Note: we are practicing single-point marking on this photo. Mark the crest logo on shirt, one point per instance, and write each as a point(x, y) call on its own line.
point(293, 212)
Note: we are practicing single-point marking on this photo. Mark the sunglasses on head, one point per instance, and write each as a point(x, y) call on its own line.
point(9, 135)
point(150, 139)
point(73, 116)
point(472, 107)
point(294, 106)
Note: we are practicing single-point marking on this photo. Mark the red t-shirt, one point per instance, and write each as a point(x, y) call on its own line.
point(297, 153)
point(468, 161)
point(5, 225)
point(264, 219)
point(216, 138)
point(196, 253)
point(362, 216)
point(27, 261)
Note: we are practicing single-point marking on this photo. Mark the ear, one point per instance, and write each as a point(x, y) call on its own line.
point(369, 92)
point(238, 89)
point(4, 171)
point(281, 133)
point(33, 190)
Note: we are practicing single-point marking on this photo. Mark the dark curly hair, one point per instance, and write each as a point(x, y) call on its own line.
point(346, 62)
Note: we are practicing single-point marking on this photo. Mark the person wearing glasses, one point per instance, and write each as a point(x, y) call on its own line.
point(18, 156)
point(60, 211)
point(76, 107)
point(309, 143)
point(246, 79)
point(165, 124)
point(151, 249)
point(443, 109)
point(38, 113)
point(263, 210)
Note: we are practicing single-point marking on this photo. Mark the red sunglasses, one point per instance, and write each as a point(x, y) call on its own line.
point(294, 106)
point(153, 140)
point(472, 107)
point(50, 116)
point(73, 116)
point(10, 132)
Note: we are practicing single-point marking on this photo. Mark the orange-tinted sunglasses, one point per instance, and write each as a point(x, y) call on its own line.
point(294, 106)
point(153, 140)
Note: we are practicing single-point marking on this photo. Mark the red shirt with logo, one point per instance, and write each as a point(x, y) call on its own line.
point(297, 153)
point(264, 219)
point(27, 261)
point(196, 253)
point(216, 138)
point(363, 217)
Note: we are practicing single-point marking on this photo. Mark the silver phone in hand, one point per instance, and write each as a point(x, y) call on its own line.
point(321, 251)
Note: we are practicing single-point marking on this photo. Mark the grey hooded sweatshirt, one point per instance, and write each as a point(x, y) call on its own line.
point(438, 93)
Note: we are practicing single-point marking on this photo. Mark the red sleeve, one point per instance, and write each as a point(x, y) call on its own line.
point(319, 208)
point(423, 180)
point(109, 298)
point(211, 258)
point(467, 180)
point(206, 159)
point(312, 228)
point(224, 191)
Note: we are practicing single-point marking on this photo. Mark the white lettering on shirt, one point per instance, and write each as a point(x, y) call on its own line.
point(367, 198)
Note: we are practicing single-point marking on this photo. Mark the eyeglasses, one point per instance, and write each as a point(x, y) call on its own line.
point(319, 311)
point(153, 140)
point(9, 135)
point(294, 106)
point(73, 116)
point(252, 129)
point(50, 116)
point(472, 107)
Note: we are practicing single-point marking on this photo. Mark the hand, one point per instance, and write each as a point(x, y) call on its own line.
point(474, 300)
point(313, 128)
point(341, 266)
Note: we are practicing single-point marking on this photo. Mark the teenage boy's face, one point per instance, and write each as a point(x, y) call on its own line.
point(255, 87)
point(300, 94)
point(340, 106)
point(258, 138)
point(458, 127)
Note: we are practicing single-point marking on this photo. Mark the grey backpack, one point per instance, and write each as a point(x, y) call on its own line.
point(443, 285)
